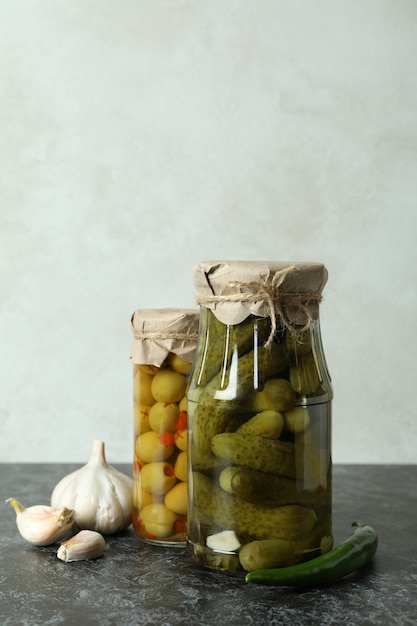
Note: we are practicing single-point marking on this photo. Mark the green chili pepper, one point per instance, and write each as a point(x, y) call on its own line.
point(346, 558)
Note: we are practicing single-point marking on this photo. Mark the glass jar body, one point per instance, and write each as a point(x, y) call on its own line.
point(259, 446)
point(160, 452)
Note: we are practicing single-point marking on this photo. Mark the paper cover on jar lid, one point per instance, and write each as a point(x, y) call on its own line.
point(158, 332)
point(236, 289)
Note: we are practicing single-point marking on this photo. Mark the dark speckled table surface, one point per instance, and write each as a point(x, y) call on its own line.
point(135, 583)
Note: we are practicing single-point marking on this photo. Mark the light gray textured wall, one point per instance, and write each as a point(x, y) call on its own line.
point(141, 136)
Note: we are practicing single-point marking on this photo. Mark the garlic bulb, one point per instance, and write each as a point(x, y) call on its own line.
point(87, 544)
point(100, 495)
point(42, 525)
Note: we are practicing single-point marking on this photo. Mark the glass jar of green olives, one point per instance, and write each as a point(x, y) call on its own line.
point(259, 407)
point(164, 346)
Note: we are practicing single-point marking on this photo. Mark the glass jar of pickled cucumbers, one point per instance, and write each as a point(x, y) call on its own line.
point(164, 346)
point(259, 407)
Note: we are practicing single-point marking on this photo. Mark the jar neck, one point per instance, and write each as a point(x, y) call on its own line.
point(300, 355)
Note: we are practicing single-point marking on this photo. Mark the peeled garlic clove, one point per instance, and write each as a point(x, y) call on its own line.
point(87, 544)
point(225, 541)
point(42, 525)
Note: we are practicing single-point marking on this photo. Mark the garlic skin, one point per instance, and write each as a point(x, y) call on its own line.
point(42, 525)
point(100, 495)
point(87, 544)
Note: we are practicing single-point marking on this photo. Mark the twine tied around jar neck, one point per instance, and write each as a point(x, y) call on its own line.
point(165, 335)
point(275, 300)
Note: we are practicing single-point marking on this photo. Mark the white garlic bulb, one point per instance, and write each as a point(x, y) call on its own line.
point(100, 495)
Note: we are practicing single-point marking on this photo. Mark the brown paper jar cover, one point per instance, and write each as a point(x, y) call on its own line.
point(233, 290)
point(158, 332)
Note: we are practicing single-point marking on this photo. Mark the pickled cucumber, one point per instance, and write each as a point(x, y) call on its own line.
point(265, 424)
point(297, 419)
point(203, 462)
point(226, 340)
point(266, 553)
point(266, 489)
point(239, 379)
point(267, 362)
point(277, 395)
point(245, 518)
point(207, 421)
point(258, 453)
point(304, 376)
point(312, 459)
point(298, 343)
